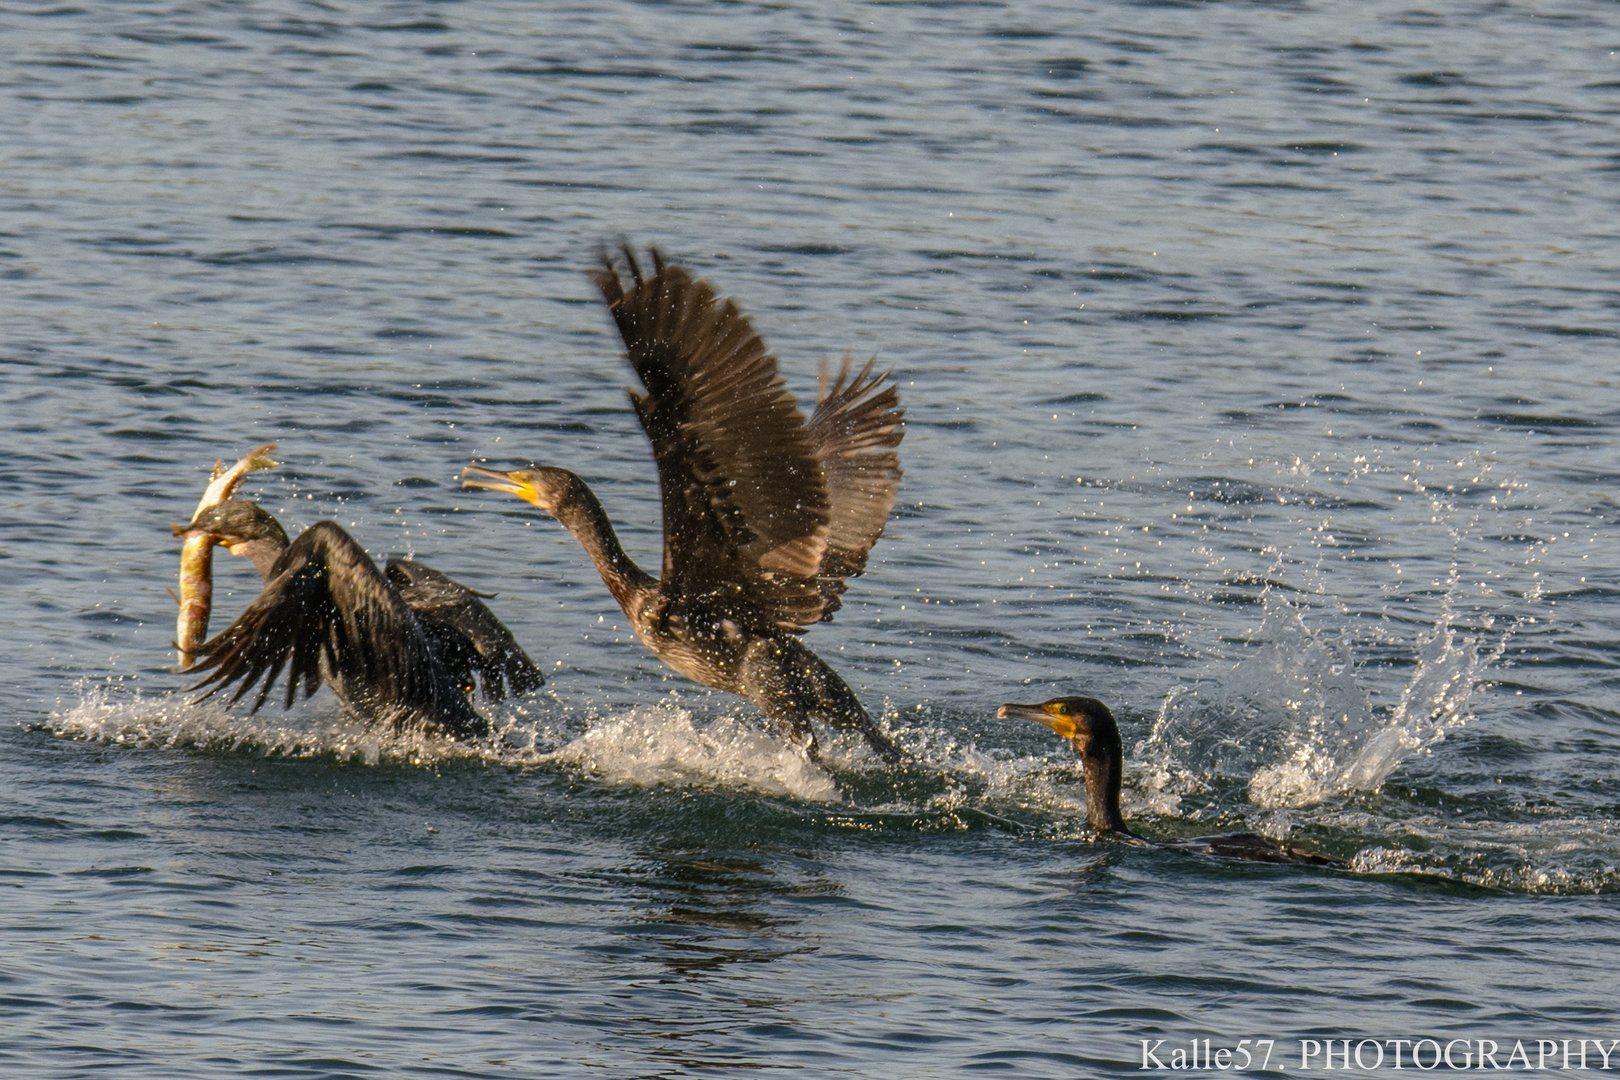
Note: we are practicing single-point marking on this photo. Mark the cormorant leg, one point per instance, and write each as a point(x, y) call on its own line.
point(823, 692)
point(780, 693)
point(843, 709)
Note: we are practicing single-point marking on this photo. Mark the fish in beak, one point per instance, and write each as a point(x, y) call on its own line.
point(197, 554)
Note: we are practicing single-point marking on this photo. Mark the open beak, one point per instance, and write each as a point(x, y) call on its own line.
point(1041, 714)
point(474, 477)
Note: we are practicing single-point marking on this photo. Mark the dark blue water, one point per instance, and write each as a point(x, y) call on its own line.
point(1260, 367)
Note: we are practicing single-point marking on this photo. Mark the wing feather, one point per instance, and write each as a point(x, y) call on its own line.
point(745, 503)
point(856, 431)
point(328, 612)
point(470, 639)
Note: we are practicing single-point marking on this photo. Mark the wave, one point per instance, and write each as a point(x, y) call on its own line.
point(1562, 855)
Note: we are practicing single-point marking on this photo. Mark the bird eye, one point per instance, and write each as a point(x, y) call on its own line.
point(1063, 710)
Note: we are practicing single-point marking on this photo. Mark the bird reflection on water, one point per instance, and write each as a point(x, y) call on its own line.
point(711, 916)
point(723, 909)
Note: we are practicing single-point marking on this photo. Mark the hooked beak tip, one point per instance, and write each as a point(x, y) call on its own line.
point(475, 477)
point(1062, 725)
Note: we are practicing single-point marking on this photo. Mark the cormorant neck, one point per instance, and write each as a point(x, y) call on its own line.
point(581, 512)
point(264, 552)
point(1103, 760)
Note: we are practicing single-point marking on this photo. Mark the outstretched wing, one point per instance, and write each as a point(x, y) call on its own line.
point(745, 507)
point(855, 429)
point(469, 638)
point(327, 611)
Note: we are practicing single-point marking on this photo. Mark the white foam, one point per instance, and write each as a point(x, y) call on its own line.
point(663, 745)
point(1290, 783)
point(1548, 855)
point(174, 721)
point(647, 746)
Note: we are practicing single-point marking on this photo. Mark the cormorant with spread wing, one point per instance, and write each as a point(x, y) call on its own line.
point(765, 515)
point(397, 645)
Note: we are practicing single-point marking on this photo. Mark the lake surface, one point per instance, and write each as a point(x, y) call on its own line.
point(1260, 372)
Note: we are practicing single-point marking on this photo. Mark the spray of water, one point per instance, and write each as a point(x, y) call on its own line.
point(173, 721)
point(1333, 741)
point(1302, 713)
point(654, 745)
point(663, 744)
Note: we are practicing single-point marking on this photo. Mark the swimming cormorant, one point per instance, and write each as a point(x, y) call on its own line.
point(1092, 731)
point(765, 515)
point(396, 645)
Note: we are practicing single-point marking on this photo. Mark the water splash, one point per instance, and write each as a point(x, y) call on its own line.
point(1290, 715)
point(1295, 713)
point(949, 783)
point(662, 744)
point(173, 721)
point(1554, 855)
point(1433, 702)
point(953, 774)
point(645, 746)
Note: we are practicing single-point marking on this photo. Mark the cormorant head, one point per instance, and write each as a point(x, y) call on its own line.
point(236, 523)
point(547, 487)
point(1091, 730)
point(1084, 721)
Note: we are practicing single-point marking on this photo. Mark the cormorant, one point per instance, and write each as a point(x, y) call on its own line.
point(396, 645)
point(1092, 731)
point(765, 515)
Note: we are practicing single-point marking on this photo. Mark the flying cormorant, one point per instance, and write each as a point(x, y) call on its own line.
point(765, 515)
